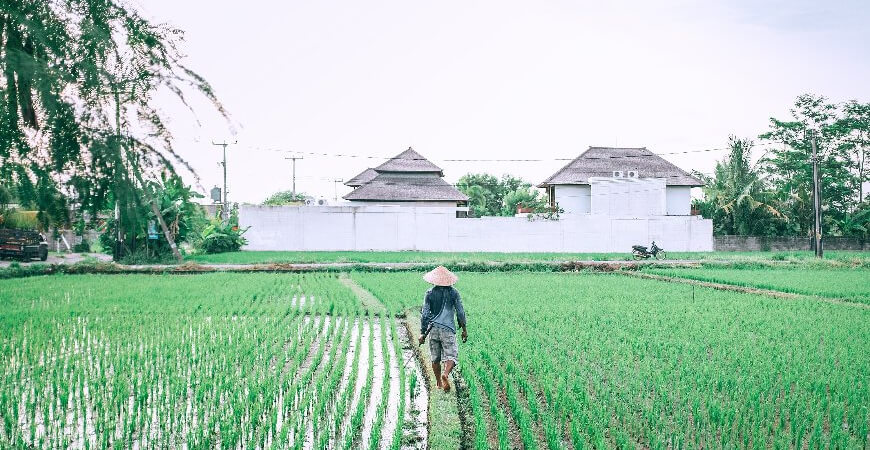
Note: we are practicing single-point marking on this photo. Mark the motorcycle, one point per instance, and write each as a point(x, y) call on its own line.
point(641, 252)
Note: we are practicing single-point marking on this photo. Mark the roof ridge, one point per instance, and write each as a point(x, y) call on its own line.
point(585, 165)
point(416, 163)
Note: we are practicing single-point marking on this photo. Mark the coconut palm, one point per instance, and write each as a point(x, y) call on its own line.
point(736, 196)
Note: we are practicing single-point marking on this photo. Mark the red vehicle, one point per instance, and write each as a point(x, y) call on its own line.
point(22, 244)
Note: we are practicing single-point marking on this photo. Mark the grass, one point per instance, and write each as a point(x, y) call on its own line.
point(606, 361)
point(264, 257)
point(851, 284)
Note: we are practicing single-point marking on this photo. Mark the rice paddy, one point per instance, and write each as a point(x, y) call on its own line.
point(554, 361)
point(231, 361)
point(606, 361)
point(852, 284)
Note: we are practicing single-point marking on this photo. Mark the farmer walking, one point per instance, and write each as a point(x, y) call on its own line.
point(440, 304)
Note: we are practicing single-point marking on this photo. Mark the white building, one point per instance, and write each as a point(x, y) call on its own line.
point(404, 204)
point(406, 179)
point(632, 182)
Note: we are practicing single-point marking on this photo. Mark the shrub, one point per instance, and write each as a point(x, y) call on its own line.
point(285, 198)
point(82, 247)
point(22, 220)
point(220, 237)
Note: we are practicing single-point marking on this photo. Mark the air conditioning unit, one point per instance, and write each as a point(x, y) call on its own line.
point(322, 202)
point(309, 201)
point(632, 174)
point(618, 174)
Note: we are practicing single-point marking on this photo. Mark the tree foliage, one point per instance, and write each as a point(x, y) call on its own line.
point(842, 145)
point(285, 198)
point(774, 195)
point(737, 197)
point(77, 117)
point(491, 196)
point(184, 218)
point(222, 236)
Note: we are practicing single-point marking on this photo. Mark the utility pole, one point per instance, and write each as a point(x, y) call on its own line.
point(335, 185)
point(293, 159)
point(225, 210)
point(817, 201)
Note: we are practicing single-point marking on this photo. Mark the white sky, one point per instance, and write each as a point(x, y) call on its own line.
point(497, 79)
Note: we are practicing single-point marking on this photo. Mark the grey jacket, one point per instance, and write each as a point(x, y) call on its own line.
point(439, 306)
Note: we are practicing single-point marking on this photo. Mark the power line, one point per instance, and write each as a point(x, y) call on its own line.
point(385, 158)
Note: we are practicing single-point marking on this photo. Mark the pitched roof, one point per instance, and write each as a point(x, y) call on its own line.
point(408, 161)
point(603, 161)
point(393, 187)
point(362, 178)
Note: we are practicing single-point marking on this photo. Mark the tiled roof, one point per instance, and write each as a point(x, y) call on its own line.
point(603, 161)
point(364, 177)
point(408, 161)
point(396, 187)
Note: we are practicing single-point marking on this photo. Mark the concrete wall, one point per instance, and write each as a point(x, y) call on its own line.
point(628, 197)
point(574, 198)
point(785, 243)
point(386, 228)
point(679, 202)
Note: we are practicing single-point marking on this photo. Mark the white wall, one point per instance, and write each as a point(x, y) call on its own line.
point(628, 197)
point(385, 228)
point(679, 200)
point(574, 198)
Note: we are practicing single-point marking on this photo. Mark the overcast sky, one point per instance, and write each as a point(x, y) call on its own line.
point(497, 79)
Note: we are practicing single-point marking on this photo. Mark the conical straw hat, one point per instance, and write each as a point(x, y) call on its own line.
point(440, 276)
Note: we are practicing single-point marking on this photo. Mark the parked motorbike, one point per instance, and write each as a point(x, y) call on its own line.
point(641, 252)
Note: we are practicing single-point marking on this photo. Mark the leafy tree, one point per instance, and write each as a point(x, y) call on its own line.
point(524, 196)
point(853, 130)
point(490, 196)
point(184, 218)
point(737, 197)
point(285, 198)
point(790, 167)
point(484, 194)
point(6, 197)
point(77, 121)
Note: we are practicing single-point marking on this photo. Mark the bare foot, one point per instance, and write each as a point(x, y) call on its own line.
point(445, 382)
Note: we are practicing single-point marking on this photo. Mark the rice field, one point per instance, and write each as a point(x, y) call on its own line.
point(851, 284)
point(209, 361)
point(306, 361)
point(606, 361)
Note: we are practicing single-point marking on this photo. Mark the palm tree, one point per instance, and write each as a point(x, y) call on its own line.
point(736, 196)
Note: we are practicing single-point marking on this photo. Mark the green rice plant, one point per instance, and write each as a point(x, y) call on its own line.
point(851, 284)
point(607, 361)
point(356, 421)
point(155, 361)
point(396, 442)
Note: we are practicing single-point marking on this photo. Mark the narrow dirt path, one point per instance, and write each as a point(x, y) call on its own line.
point(742, 289)
point(369, 301)
point(445, 427)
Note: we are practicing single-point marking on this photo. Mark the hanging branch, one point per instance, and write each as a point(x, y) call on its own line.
point(75, 75)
